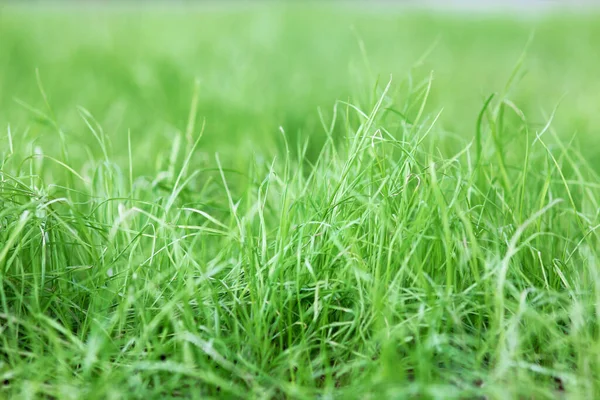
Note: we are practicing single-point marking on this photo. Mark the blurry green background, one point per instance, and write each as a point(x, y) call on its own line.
point(262, 66)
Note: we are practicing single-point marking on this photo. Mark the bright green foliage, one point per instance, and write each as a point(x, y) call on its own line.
point(249, 206)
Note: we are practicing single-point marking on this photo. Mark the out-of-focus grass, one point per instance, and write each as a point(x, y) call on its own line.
point(260, 67)
point(349, 240)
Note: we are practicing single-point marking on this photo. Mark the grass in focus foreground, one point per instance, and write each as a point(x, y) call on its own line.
point(286, 228)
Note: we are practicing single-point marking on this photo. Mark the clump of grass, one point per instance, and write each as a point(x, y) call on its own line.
point(376, 267)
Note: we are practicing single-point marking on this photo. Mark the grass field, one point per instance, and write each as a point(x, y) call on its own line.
point(298, 202)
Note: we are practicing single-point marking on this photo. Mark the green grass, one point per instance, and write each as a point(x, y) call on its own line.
point(298, 202)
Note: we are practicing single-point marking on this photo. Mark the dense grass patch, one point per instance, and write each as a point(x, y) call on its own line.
point(244, 204)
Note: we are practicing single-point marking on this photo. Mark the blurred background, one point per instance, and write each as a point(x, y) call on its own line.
point(261, 65)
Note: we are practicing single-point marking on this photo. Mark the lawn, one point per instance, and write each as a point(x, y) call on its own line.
point(307, 201)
